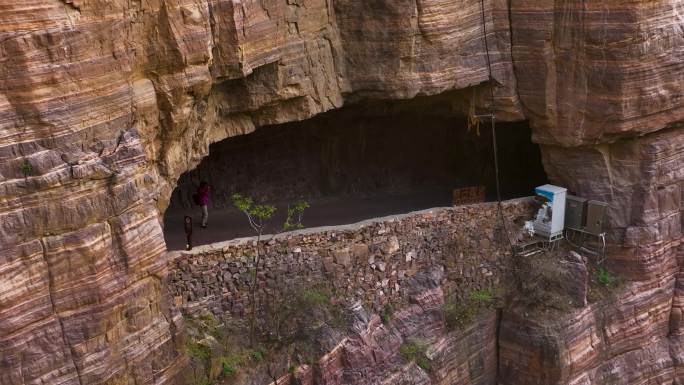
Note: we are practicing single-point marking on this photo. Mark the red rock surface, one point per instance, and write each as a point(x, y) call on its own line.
point(593, 72)
point(372, 355)
point(633, 338)
point(110, 101)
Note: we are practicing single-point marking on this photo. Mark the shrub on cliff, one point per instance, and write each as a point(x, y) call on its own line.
point(605, 278)
point(26, 168)
point(387, 313)
point(414, 350)
point(459, 313)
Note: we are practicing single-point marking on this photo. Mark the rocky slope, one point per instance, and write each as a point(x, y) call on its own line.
point(104, 103)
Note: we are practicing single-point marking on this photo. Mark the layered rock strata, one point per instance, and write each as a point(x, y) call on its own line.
point(594, 72)
point(635, 337)
point(373, 353)
point(413, 345)
point(103, 104)
point(603, 76)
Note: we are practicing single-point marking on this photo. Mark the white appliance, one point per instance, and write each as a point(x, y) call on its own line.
point(550, 218)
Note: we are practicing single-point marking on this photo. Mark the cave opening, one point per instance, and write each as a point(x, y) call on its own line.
point(352, 164)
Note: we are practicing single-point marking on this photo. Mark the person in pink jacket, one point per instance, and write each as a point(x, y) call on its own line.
point(203, 195)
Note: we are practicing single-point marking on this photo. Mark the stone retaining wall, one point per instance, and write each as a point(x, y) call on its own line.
point(368, 261)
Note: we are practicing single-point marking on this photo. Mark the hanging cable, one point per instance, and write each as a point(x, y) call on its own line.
point(491, 115)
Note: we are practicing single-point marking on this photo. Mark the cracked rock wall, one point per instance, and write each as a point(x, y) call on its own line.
point(601, 84)
point(104, 103)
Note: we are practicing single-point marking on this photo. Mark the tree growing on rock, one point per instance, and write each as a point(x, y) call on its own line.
point(258, 216)
point(295, 216)
point(26, 169)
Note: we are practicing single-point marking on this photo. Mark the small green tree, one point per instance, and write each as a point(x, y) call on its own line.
point(26, 168)
point(295, 216)
point(258, 216)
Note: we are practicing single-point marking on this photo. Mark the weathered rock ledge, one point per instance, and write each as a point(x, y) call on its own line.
point(103, 104)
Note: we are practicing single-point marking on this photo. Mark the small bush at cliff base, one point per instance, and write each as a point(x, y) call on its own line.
point(605, 278)
point(313, 297)
point(257, 355)
point(415, 351)
point(231, 363)
point(200, 357)
point(460, 313)
point(424, 364)
point(26, 168)
point(198, 351)
point(602, 284)
point(387, 312)
point(228, 370)
point(208, 321)
point(482, 296)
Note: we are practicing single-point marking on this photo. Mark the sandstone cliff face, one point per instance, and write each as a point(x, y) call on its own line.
point(103, 104)
point(634, 339)
point(593, 72)
point(372, 353)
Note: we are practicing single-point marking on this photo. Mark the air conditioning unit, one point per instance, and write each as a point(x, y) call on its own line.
point(575, 212)
point(550, 219)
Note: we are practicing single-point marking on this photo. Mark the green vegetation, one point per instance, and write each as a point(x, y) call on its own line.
point(224, 360)
point(228, 370)
point(289, 330)
point(295, 216)
point(424, 364)
point(198, 351)
point(314, 297)
point(232, 363)
point(605, 278)
point(603, 284)
point(482, 296)
point(387, 313)
point(26, 168)
point(460, 313)
point(257, 215)
point(207, 320)
point(415, 351)
point(256, 355)
point(314, 303)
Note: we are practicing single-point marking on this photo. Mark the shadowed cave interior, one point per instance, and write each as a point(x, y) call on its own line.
point(352, 164)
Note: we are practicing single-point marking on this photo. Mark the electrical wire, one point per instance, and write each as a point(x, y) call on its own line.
point(491, 81)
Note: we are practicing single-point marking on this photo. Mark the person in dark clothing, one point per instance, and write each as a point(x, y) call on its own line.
point(188, 232)
point(203, 196)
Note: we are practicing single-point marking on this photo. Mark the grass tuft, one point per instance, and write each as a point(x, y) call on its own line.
point(415, 351)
